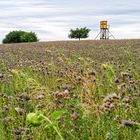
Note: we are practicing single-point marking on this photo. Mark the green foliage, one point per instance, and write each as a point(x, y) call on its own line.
point(21, 80)
point(19, 37)
point(79, 33)
point(29, 37)
point(56, 114)
point(34, 119)
point(109, 70)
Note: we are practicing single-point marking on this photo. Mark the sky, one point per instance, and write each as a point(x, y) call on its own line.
point(52, 19)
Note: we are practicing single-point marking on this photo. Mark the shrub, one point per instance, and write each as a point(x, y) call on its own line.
point(19, 37)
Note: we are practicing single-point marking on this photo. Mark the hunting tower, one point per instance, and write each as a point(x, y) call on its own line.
point(104, 30)
point(104, 33)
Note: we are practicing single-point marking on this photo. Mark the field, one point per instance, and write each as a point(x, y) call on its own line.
point(87, 90)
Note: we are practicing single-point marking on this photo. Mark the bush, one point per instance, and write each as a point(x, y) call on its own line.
point(20, 37)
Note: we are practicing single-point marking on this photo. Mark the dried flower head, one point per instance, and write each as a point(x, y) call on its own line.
point(128, 123)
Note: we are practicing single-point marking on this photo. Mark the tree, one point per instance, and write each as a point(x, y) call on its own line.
point(19, 37)
point(79, 33)
point(29, 37)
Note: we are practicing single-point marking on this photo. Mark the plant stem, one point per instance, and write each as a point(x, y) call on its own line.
point(55, 128)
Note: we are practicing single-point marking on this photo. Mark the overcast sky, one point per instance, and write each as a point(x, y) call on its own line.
point(52, 19)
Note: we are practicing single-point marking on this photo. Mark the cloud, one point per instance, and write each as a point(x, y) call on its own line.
point(52, 19)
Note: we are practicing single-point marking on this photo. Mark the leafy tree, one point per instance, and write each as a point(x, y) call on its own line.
point(19, 37)
point(29, 37)
point(79, 33)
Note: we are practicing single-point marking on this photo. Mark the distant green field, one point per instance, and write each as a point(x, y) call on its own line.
point(87, 90)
